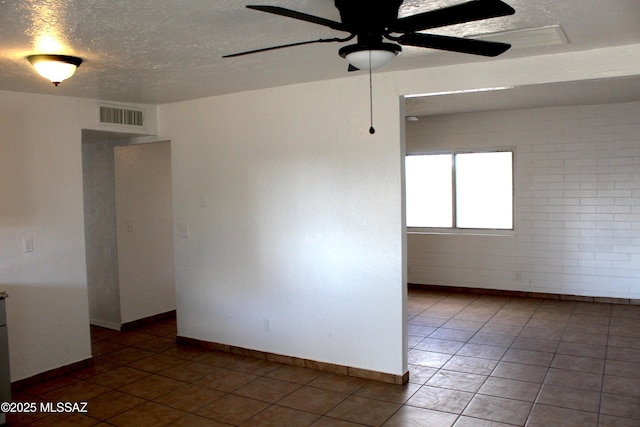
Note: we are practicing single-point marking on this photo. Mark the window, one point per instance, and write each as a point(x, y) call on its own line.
point(460, 190)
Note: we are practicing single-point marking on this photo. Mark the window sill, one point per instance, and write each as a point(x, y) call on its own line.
point(461, 232)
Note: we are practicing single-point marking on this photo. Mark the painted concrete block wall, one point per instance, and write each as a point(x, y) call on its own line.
point(577, 202)
point(144, 230)
point(289, 232)
point(103, 283)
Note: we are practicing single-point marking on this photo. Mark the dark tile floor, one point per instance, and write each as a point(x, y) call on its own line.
point(475, 361)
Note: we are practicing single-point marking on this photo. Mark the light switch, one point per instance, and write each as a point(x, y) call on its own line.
point(183, 229)
point(130, 227)
point(27, 244)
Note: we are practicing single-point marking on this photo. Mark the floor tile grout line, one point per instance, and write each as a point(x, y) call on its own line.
point(494, 368)
point(458, 416)
point(555, 354)
point(271, 404)
point(145, 400)
point(187, 383)
point(604, 368)
point(467, 341)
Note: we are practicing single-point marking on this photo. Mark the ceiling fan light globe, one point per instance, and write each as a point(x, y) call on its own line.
point(379, 58)
point(370, 58)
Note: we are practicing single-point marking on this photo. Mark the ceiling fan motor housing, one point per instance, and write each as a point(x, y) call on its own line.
point(368, 20)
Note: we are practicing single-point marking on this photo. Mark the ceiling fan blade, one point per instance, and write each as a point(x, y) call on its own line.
point(454, 44)
point(299, 15)
point(474, 10)
point(265, 49)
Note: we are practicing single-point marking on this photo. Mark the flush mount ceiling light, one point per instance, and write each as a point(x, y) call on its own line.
point(363, 57)
point(55, 68)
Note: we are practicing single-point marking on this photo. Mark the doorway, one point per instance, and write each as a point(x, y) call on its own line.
point(128, 228)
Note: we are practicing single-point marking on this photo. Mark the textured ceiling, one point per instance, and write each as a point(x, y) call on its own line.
point(159, 51)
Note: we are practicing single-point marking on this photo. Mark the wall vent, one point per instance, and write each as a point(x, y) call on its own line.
point(117, 115)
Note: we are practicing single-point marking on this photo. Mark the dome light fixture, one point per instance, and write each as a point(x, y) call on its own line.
point(364, 57)
point(55, 68)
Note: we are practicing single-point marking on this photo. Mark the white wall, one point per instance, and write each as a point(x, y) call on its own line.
point(299, 249)
point(303, 225)
point(41, 194)
point(144, 229)
point(577, 194)
point(302, 229)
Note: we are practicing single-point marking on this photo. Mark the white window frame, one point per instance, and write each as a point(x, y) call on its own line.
point(470, 231)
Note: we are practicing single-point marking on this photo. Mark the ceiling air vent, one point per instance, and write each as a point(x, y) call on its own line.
point(530, 37)
point(117, 115)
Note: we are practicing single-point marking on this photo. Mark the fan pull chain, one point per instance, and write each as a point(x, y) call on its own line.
point(371, 129)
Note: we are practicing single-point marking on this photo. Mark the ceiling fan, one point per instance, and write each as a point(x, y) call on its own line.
point(371, 22)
